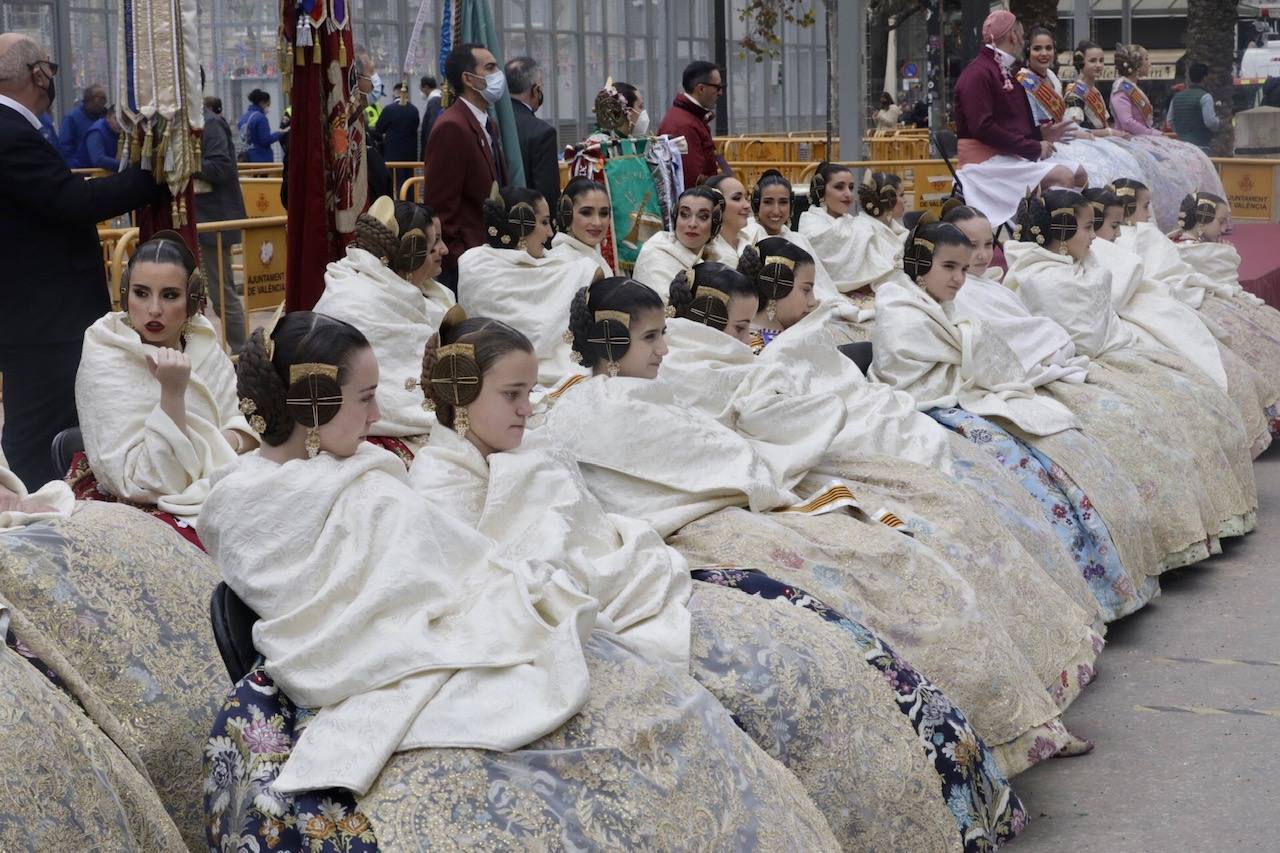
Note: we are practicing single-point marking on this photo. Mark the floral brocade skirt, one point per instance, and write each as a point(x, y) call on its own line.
point(85, 487)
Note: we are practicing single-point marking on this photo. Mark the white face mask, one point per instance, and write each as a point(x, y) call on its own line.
point(495, 86)
point(641, 127)
point(377, 93)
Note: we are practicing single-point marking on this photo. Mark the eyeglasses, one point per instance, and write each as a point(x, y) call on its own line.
point(719, 87)
point(53, 66)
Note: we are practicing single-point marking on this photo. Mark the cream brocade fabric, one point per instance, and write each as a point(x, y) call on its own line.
point(651, 762)
point(126, 602)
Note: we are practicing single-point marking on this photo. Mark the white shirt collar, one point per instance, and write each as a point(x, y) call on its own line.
point(481, 115)
point(1006, 60)
point(22, 110)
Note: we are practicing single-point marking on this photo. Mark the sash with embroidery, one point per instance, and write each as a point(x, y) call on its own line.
point(1139, 100)
point(1092, 102)
point(1043, 92)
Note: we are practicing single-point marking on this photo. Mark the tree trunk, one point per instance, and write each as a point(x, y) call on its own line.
point(1043, 13)
point(1211, 39)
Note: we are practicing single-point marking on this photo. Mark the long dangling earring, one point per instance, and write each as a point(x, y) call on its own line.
point(612, 369)
point(461, 421)
point(185, 332)
point(1062, 248)
point(771, 310)
point(313, 442)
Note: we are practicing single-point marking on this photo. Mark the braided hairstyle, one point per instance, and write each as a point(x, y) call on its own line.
point(956, 211)
point(694, 300)
point(1100, 199)
point(771, 266)
point(821, 177)
point(492, 340)
point(770, 178)
point(509, 221)
point(616, 293)
point(879, 195)
point(1198, 209)
point(1077, 58)
point(262, 372)
point(1050, 218)
point(407, 249)
point(1128, 58)
point(1127, 190)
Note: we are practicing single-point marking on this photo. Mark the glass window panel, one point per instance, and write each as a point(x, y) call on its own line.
point(32, 19)
point(567, 14)
point(539, 13)
point(739, 95)
point(616, 18)
point(700, 19)
point(90, 60)
point(638, 75)
point(514, 43)
point(513, 14)
point(617, 57)
point(568, 100)
point(637, 16)
point(593, 16)
point(596, 69)
point(378, 9)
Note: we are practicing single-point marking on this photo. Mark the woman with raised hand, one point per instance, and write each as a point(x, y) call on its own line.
point(480, 669)
point(584, 219)
point(700, 213)
point(514, 279)
point(738, 230)
point(710, 493)
point(156, 393)
point(1056, 276)
point(810, 691)
point(386, 288)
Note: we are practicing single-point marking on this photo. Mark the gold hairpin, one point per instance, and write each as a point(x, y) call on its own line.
point(780, 261)
point(302, 371)
point(920, 241)
point(615, 316)
point(464, 350)
point(712, 293)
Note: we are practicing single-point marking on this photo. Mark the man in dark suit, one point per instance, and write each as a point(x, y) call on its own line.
point(431, 111)
point(219, 199)
point(464, 153)
point(538, 144)
point(398, 127)
point(53, 284)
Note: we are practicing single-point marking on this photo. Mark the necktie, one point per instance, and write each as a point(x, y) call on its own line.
point(492, 129)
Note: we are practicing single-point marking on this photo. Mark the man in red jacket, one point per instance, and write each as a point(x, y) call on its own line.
point(690, 116)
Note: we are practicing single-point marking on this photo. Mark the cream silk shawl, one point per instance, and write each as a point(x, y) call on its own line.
point(136, 451)
point(531, 294)
point(389, 618)
point(397, 318)
point(1156, 317)
point(644, 455)
point(1220, 264)
point(661, 258)
point(1075, 296)
point(880, 420)
point(1165, 264)
point(55, 494)
point(788, 427)
point(721, 251)
point(857, 250)
point(566, 247)
point(922, 350)
point(823, 287)
point(1044, 349)
point(535, 505)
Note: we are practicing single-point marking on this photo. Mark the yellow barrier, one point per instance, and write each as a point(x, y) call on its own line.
point(262, 196)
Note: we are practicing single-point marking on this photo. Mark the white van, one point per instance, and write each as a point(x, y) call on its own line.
point(1259, 63)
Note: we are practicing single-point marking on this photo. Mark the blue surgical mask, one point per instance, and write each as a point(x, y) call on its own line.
point(495, 86)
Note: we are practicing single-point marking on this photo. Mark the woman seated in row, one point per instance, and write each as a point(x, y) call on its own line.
point(1146, 307)
point(1151, 453)
point(583, 221)
point(156, 393)
point(1056, 276)
point(738, 229)
point(386, 288)
point(810, 691)
point(700, 214)
point(513, 279)
point(485, 672)
point(708, 491)
point(771, 203)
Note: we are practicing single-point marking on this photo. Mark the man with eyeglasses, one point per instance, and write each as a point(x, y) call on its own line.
point(690, 116)
point(53, 283)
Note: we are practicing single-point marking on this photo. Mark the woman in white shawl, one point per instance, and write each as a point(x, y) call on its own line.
point(515, 280)
point(811, 692)
point(699, 215)
point(771, 203)
point(156, 393)
point(1152, 454)
point(738, 230)
point(710, 493)
point(711, 369)
point(583, 222)
point(437, 668)
point(386, 288)
point(1157, 318)
point(1056, 276)
point(964, 375)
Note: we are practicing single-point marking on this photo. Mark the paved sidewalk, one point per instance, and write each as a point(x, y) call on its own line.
point(1185, 715)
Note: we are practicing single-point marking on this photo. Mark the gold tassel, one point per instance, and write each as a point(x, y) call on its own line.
point(316, 56)
point(342, 51)
point(302, 56)
point(147, 146)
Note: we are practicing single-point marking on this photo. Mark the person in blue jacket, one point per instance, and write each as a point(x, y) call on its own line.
point(48, 130)
point(255, 129)
point(100, 143)
point(75, 124)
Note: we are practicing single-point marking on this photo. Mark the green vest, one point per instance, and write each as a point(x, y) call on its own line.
point(1187, 120)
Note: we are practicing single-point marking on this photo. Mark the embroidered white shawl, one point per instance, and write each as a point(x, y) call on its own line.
point(1165, 264)
point(1076, 296)
point(1044, 348)
point(397, 318)
point(534, 504)
point(1220, 264)
point(565, 246)
point(660, 260)
point(1156, 318)
point(880, 420)
point(389, 617)
point(857, 250)
point(530, 294)
point(721, 251)
point(136, 451)
point(56, 495)
point(920, 349)
point(646, 456)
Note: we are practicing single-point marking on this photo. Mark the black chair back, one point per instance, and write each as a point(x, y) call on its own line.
point(859, 353)
point(66, 444)
point(233, 631)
